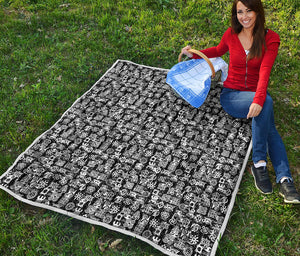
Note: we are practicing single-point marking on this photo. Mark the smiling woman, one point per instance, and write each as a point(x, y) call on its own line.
point(253, 50)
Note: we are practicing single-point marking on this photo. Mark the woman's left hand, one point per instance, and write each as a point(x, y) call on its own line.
point(254, 110)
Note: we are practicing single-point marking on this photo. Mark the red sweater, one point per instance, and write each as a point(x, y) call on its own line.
point(246, 75)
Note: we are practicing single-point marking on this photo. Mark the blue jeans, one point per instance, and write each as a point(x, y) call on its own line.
point(265, 137)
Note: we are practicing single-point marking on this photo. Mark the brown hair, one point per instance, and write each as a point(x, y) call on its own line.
point(259, 27)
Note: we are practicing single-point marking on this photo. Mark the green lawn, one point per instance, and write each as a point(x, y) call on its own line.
point(52, 51)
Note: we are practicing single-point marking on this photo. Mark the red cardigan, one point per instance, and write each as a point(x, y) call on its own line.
point(252, 75)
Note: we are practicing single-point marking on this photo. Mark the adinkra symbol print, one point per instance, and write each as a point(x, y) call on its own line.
point(132, 155)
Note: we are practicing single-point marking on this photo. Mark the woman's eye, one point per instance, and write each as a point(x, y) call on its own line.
point(249, 10)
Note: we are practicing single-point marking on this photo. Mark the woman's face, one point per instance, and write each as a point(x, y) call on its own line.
point(245, 16)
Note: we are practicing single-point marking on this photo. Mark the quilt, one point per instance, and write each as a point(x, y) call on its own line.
point(132, 156)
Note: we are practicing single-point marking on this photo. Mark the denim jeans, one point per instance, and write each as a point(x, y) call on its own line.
point(265, 137)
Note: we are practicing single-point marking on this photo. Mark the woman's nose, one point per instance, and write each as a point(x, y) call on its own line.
point(245, 14)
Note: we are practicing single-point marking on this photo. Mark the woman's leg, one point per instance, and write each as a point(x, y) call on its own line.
point(277, 153)
point(265, 137)
point(237, 103)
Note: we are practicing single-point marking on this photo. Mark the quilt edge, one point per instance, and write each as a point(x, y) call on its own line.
point(87, 220)
point(231, 204)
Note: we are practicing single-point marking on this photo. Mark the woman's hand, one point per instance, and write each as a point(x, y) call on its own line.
point(185, 51)
point(254, 110)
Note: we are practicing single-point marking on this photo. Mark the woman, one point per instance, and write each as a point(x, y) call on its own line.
point(253, 50)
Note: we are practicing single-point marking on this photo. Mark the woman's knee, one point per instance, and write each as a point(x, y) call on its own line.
point(269, 99)
point(268, 105)
point(267, 110)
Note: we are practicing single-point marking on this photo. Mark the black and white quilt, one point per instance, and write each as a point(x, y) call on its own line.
point(132, 156)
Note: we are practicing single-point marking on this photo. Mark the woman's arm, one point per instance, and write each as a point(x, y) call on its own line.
point(264, 74)
point(265, 71)
point(273, 42)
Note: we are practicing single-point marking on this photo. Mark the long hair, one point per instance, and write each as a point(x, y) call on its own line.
point(259, 27)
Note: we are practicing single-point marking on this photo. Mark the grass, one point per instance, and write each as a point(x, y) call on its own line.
point(52, 51)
